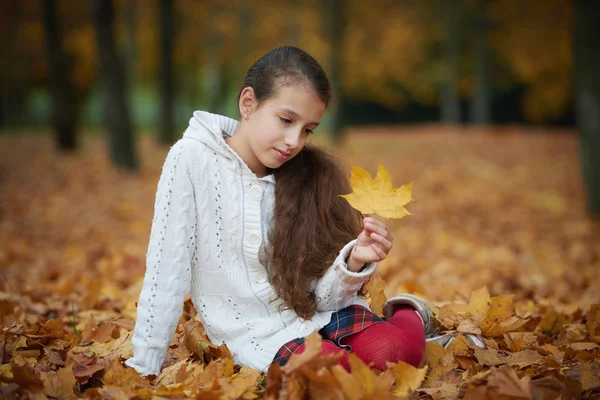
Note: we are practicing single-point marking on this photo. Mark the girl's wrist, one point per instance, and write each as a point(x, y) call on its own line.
point(353, 265)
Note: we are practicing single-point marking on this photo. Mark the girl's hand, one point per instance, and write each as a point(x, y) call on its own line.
point(373, 245)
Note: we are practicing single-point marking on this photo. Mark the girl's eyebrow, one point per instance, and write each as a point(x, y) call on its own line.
point(289, 110)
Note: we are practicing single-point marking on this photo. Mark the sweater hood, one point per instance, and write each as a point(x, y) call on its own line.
point(210, 128)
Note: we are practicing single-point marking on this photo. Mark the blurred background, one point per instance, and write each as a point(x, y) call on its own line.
point(491, 108)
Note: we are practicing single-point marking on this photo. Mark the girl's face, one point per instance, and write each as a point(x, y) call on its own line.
point(277, 130)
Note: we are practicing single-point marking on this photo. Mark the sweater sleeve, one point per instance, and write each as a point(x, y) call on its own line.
point(339, 287)
point(167, 277)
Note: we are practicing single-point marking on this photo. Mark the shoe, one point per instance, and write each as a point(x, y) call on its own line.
point(446, 340)
point(431, 328)
point(420, 306)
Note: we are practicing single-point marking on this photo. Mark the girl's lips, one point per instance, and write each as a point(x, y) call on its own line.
point(282, 156)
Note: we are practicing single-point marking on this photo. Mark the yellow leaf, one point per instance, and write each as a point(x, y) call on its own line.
point(479, 302)
point(440, 360)
point(378, 196)
point(376, 288)
point(311, 350)
point(408, 378)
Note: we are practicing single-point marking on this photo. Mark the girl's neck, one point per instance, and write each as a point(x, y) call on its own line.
point(239, 143)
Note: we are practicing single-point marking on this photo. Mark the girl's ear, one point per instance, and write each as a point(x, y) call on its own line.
point(247, 102)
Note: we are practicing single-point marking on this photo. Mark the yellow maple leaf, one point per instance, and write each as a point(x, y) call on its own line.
point(378, 196)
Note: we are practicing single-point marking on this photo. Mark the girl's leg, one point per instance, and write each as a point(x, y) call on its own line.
point(401, 338)
point(328, 347)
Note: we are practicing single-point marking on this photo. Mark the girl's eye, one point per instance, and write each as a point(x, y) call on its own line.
point(285, 120)
point(309, 131)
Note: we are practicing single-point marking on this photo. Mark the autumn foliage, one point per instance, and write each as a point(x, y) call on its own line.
point(497, 241)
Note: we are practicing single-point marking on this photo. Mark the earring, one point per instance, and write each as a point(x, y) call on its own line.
point(246, 116)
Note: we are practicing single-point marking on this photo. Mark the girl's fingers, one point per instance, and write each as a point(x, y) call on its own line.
point(378, 227)
point(379, 251)
point(387, 244)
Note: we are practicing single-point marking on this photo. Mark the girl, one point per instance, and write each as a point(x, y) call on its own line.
point(249, 221)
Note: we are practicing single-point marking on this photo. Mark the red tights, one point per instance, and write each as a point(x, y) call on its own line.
point(400, 338)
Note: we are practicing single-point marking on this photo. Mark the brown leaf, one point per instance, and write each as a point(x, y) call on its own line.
point(59, 384)
point(102, 333)
point(593, 323)
point(507, 382)
point(547, 388)
point(54, 357)
point(26, 376)
point(519, 340)
point(524, 358)
point(551, 324)
point(440, 360)
point(489, 356)
point(468, 326)
point(590, 376)
point(322, 384)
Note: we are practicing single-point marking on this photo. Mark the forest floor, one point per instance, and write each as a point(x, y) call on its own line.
point(498, 241)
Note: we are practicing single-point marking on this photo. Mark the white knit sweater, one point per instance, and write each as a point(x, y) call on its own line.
point(211, 226)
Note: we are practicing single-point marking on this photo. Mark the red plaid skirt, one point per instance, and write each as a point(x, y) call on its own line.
point(347, 321)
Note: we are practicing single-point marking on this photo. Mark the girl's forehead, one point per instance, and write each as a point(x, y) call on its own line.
point(299, 99)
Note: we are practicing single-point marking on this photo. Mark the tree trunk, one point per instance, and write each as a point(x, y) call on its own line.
point(110, 67)
point(64, 104)
point(166, 134)
point(450, 102)
point(214, 64)
point(586, 47)
point(334, 23)
point(131, 52)
point(481, 105)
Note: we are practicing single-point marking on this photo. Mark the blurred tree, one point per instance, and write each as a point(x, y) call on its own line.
point(130, 12)
point(451, 18)
point(481, 101)
point(116, 110)
point(215, 63)
point(587, 91)
point(334, 20)
point(535, 45)
point(22, 43)
point(65, 110)
point(391, 63)
point(166, 133)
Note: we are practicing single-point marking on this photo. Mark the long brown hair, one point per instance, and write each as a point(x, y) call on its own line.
point(312, 222)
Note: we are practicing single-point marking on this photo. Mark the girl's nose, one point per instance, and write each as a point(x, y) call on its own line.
point(292, 140)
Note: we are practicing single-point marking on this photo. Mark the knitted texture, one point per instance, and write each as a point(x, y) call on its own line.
point(210, 238)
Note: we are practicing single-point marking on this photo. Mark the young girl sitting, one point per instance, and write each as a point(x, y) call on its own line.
point(248, 220)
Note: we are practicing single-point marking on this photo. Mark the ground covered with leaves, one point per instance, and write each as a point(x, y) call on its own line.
point(498, 241)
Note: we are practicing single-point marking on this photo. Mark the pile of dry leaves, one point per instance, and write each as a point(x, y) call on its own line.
point(498, 242)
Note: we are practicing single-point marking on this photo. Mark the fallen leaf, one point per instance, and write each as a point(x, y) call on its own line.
point(59, 384)
point(408, 378)
point(479, 302)
point(524, 358)
point(489, 356)
point(517, 341)
point(312, 348)
point(507, 382)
